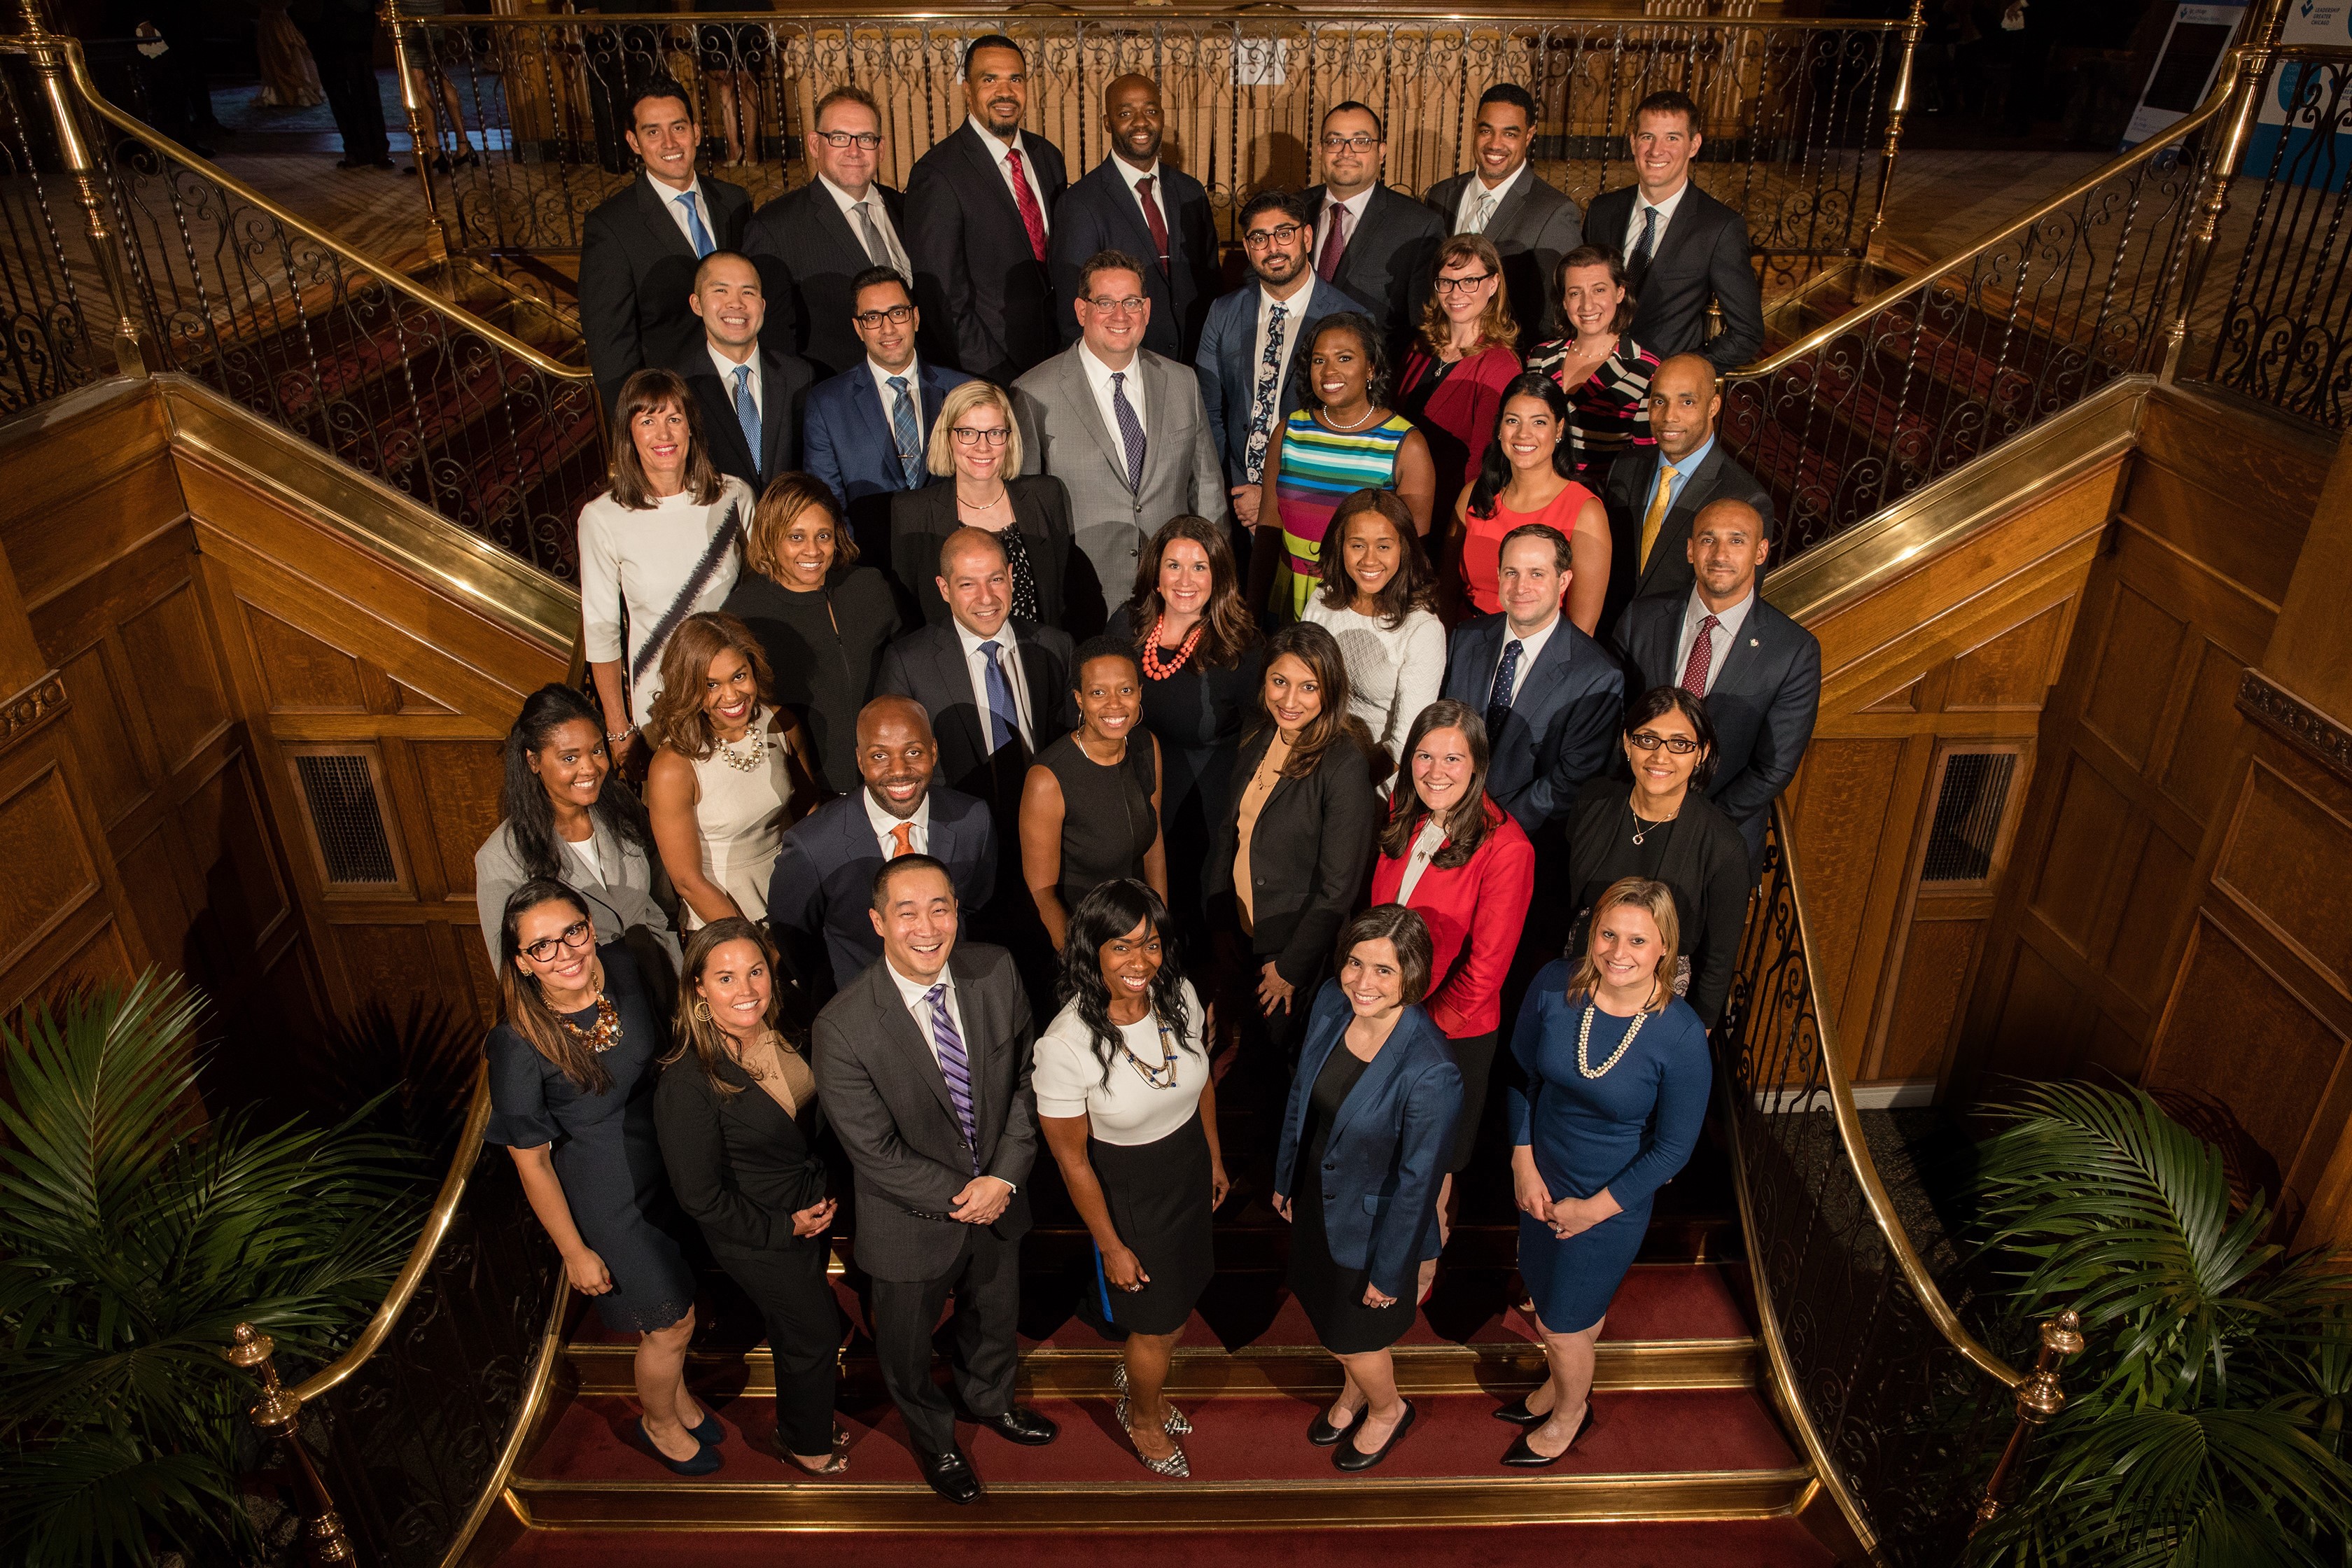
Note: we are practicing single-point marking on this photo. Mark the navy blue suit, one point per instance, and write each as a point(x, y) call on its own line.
point(846, 442)
point(824, 880)
point(1228, 369)
point(1386, 1152)
point(1101, 213)
point(988, 302)
point(1559, 729)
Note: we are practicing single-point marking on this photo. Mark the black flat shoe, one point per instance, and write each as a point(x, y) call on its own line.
point(711, 1434)
point(1519, 1415)
point(950, 1475)
point(1522, 1456)
point(1022, 1426)
point(1322, 1433)
point(1351, 1457)
point(705, 1460)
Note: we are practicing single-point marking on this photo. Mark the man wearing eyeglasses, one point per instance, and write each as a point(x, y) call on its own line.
point(811, 242)
point(868, 427)
point(1250, 345)
point(1134, 202)
point(1370, 241)
point(1759, 671)
point(1528, 221)
point(1120, 427)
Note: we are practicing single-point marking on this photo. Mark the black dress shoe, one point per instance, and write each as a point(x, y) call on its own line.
point(1351, 1457)
point(1322, 1433)
point(1519, 1415)
point(1521, 1455)
point(950, 1475)
point(1022, 1426)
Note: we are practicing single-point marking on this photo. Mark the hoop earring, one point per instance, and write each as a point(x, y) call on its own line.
point(701, 1011)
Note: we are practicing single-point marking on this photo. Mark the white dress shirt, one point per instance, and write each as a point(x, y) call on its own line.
point(1475, 195)
point(1355, 205)
point(884, 823)
point(913, 374)
point(997, 148)
point(872, 203)
point(677, 214)
point(1728, 622)
point(1135, 178)
point(1295, 311)
point(727, 369)
point(1665, 210)
point(1425, 846)
point(1008, 650)
point(1531, 649)
point(1098, 376)
point(917, 994)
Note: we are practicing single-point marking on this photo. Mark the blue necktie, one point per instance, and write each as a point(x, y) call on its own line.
point(908, 432)
point(1498, 700)
point(747, 413)
point(1130, 429)
point(1639, 262)
point(1004, 722)
point(955, 1066)
point(701, 235)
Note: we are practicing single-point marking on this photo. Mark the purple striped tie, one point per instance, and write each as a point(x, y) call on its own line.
point(956, 1067)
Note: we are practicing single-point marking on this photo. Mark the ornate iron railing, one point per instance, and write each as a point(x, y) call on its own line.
point(522, 108)
point(1900, 1408)
point(45, 347)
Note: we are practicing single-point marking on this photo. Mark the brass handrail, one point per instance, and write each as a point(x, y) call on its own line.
point(834, 10)
point(79, 71)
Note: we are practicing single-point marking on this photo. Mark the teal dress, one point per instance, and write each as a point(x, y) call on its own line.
point(1629, 1130)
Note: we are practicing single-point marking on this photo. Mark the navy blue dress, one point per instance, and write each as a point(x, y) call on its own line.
point(607, 1154)
point(1628, 1131)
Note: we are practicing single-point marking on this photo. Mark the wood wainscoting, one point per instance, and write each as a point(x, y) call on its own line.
point(271, 741)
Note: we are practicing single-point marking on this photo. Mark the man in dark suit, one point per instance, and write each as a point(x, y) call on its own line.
point(824, 880)
point(1250, 343)
point(1370, 241)
point(1551, 697)
point(751, 396)
point(813, 243)
point(1531, 222)
point(1134, 202)
point(1759, 671)
point(978, 208)
point(922, 1064)
point(1682, 247)
point(866, 430)
point(639, 249)
point(1652, 497)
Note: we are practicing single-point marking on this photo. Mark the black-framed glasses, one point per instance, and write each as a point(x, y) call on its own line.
point(1650, 740)
point(1281, 233)
point(842, 141)
point(1461, 285)
point(970, 435)
point(1126, 306)
point(897, 315)
point(1361, 141)
point(579, 933)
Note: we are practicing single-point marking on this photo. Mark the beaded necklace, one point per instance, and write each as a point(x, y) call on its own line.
point(1153, 666)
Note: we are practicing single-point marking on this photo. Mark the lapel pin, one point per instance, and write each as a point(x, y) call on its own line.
point(1752, 643)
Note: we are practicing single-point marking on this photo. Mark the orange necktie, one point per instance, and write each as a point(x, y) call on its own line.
point(903, 835)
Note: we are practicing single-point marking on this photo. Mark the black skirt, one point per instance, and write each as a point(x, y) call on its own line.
point(1159, 1201)
point(1331, 1295)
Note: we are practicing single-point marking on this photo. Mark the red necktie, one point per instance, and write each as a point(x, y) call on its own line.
point(1334, 245)
point(1153, 220)
point(1033, 216)
point(1702, 655)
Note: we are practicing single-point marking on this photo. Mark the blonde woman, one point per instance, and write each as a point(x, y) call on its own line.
point(976, 446)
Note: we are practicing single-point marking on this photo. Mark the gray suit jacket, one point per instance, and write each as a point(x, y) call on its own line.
point(888, 1102)
point(639, 898)
point(1063, 434)
point(1535, 226)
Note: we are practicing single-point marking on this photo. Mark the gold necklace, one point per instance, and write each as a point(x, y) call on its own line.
point(1164, 1075)
point(1643, 826)
point(1584, 1040)
point(602, 1036)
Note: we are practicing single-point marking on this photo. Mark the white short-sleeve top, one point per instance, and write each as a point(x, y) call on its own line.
point(1069, 1076)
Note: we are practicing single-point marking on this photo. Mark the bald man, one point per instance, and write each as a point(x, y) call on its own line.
point(824, 881)
point(1653, 497)
point(1134, 202)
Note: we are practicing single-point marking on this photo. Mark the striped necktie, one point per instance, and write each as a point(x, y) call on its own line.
point(956, 1067)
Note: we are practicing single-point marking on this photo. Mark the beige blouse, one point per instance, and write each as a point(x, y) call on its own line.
point(794, 1084)
point(1260, 785)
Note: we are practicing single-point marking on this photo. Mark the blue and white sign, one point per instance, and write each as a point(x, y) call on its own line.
point(2301, 123)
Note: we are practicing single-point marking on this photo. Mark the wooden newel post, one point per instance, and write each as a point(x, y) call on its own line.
point(2039, 1399)
point(279, 1415)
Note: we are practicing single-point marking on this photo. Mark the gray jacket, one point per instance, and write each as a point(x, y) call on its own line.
point(640, 898)
point(1063, 434)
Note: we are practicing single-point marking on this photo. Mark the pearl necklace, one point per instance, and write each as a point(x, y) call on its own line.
point(1584, 1040)
point(743, 764)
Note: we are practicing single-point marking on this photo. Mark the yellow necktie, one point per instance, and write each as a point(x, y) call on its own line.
point(1655, 518)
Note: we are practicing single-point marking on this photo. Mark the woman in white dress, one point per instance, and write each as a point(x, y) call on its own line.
point(731, 771)
point(663, 541)
point(1379, 602)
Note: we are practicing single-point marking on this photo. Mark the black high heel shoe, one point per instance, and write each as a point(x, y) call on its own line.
point(1521, 1455)
point(705, 1460)
point(1519, 1415)
point(711, 1434)
point(1351, 1457)
point(1323, 1435)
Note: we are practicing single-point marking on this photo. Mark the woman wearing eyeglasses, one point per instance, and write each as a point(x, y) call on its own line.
point(1665, 830)
point(571, 1086)
point(976, 445)
point(1453, 377)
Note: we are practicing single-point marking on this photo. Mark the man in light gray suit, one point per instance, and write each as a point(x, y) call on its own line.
point(1531, 223)
point(1121, 427)
point(923, 1063)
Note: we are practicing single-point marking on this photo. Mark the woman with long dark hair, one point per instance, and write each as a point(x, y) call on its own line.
point(741, 1135)
point(1127, 1105)
point(1528, 476)
point(572, 1084)
point(1378, 601)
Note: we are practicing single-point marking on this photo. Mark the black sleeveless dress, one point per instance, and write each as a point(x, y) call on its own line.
point(1108, 823)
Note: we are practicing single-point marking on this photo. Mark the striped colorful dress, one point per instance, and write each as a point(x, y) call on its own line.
point(1320, 468)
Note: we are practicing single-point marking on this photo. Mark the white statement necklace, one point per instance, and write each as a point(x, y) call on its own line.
point(741, 763)
point(1584, 1042)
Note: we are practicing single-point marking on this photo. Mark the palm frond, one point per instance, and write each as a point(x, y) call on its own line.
point(100, 1498)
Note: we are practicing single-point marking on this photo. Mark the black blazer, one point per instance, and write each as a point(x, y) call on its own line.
point(737, 1162)
point(1703, 257)
point(807, 253)
point(1310, 853)
point(929, 666)
point(921, 521)
point(1763, 704)
point(637, 273)
point(1561, 729)
point(1632, 480)
point(1388, 260)
point(784, 382)
point(824, 880)
point(1535, 226)
point(1705, 862)
point(1100, 212)
point(987, 301)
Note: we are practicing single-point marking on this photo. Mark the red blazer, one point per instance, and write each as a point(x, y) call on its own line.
point(1473, 913)
point(1459, 422)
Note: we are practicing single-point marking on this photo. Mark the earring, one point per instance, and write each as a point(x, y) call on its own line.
point(702, 1012)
